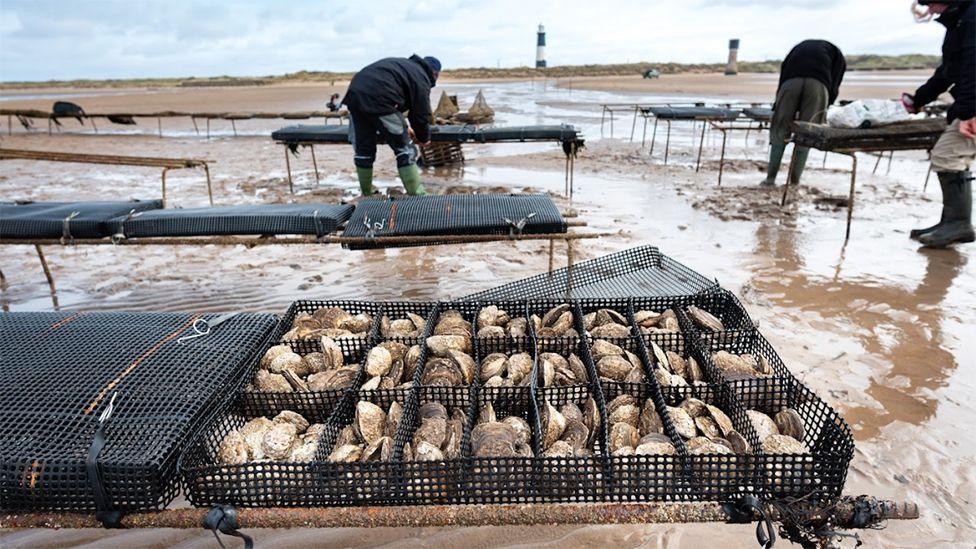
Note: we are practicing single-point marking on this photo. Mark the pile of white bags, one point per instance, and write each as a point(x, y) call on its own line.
point(867, 113)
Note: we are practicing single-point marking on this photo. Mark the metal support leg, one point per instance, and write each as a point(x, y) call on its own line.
point(10, 124)
point(721, 162)
point(891, 156)
point(49, 126)
point(633, 125)
point(315, 164)
point(701, 146)
point(291, 186)
point(569, 268)
point(208, 128)
point(603, 118)
point(667, 143)
point(159, 123)
point(234, 126)
point(94, 127)
point(195, 127)
point(653, 137)
point(611, 123)
point(644, 133)
point(572, 175)
point(877, 162)
point(206, 170)
point(927, 175)
point(850, 198)
point(552, 244)
point(50, 278)
point(164, 186)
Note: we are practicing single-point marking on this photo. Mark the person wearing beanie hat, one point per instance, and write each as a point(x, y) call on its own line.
point(955, 150)
point(377, 98)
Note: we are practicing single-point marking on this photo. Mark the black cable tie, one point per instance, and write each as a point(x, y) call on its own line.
point(104, 513)
point(223, 518)
point(743, 511)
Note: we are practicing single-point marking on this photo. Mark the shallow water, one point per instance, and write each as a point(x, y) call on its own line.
point(879, 329)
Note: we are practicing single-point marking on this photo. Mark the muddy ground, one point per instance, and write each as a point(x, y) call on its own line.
point(880, 329)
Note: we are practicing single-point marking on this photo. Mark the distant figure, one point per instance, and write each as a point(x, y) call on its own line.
point(956, 149)
point(334, 103)
point(378, 96)
point(809, 80)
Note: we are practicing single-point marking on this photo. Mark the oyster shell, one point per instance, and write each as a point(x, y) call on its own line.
point(304, 453)
point(783, 444)
point(721, 420)
point(704, 445)
point(425, 451)
point(432, 409)
point(519, 367)
point(465, 363)
point(332, 352)
point(571, 411)
point(380, 450)
point(267, 382)
point(340, 378)
point(552, 424)
point(614, 367)
point(273, 353)
point(493, 439)
point(523, 434)
point(763, 424)
point(622, 435)
point(575, 433)
point(683, 424)
point(610, 330)
point(288, 361)
point(704, 319)
point(693, 406)
point(378, 361)
point(348, 435)
point(432, 430)
point(650, 421)
point(491, 331)
point(789, 423)
point(707, 426)
point(370, 421)
point(232, 449)
point(393, 416)
point(601, 348)
point(627, 413)
point(738, 442)
point(346, 453)
point(560, 448)
point(287, 416)
point(278, 441)
point(655, 445)
point(442, 372)
point(441, 345)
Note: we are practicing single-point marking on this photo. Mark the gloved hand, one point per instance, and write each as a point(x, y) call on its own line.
point(908, 100)
point(968, 128)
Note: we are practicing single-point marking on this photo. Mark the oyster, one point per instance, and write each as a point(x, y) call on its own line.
point(613, 367)
point(655, 444)
point(288, 361)
point(370, 421)
point(571, 411)
point(650, 421)
point(736, 367)
point(627, 413)
point(763, 424)
point(273, 353)
point(552, 424)
point(523, 434)
point(296, 419)
point(347, 453)
point(704, 319)
point(452, 323)
point(412, 325)
point(493, 439)
point(622, 435)
point(232, 449)
point(340, 378)
point(441, 345)
point(378, 361)
point(683, 424)
point(783, 444)
point(393, 416)
point(432, 430)
point(304, 453)
point(560, 448)
point(601, 348)
point(704, 445)
point(278, 441)
point(652, 322)
point(425, 451)
point(576, 434)
point(557, 322)
point(789, 423)
point(266, 382)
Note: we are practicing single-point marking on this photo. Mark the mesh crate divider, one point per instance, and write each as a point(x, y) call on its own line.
point(818, 476)
point(306, 346)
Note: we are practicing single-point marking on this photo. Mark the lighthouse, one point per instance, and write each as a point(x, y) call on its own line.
point(732, 68)
point(540, 48)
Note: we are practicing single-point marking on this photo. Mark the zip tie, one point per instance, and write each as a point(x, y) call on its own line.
point(515, 228)
point(66, 237)
point(120, 236)
point(110, 518)
point(203, 327)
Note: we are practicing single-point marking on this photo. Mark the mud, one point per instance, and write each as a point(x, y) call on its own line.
point(879, 328)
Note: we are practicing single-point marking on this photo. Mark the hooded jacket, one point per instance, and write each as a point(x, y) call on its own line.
point(395, 84)
point(817, 59)
point(957, 73)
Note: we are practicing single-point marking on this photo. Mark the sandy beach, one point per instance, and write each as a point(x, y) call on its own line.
point(878, 328)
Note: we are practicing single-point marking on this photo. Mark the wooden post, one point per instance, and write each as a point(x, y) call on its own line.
point(164, 186)
point(50, 278)
point(206, 169)
point(927, 175)
point(603, 117)
point(850, 198)
point(315, 163)
point(721, 162)
point(291, 186)
point(701, 146)
point(569, 268)
point(667, 143)
point(552, 244)
point(10, 124)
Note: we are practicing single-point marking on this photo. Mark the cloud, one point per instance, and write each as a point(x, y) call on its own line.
point(51, 39)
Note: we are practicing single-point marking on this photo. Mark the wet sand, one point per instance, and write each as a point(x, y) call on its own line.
point(880, 329)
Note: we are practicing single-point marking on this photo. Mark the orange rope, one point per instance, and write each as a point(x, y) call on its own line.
point(65, 320)
point(393, 216)
point(151, 351)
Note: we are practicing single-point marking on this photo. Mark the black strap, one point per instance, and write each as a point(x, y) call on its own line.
point(103, 504)
point(743, 511)
point(224, 519)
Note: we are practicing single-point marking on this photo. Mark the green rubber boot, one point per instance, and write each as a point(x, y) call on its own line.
point(410, 176)
point(800, 155)
point(775, 159)
point(365, 176)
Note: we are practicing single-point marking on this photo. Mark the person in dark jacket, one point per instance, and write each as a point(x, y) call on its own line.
point(377, 97)
point(956, 149)
point(809, 81)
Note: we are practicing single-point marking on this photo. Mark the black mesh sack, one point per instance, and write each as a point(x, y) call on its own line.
point(759, 114)
point(61, 372)
point(260, 219)
point(65, 219)
point(452, 215)
point(694, 113)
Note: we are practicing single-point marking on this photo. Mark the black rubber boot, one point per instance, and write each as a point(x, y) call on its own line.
point(957, 200)
point(943, 178)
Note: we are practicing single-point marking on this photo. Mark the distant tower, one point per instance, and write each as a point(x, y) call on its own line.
point(733, 67)
point(540, 48)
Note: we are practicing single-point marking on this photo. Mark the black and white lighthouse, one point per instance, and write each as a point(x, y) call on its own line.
point(540, 48)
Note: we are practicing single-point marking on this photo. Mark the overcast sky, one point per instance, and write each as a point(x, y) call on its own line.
point(48, 39)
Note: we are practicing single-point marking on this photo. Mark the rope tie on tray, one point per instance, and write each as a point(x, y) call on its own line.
point(515, 227)
point(317, 221)
point(66, 237)
point(371, 227)
point(103, 503)
point(224, 519)
point(744, 510)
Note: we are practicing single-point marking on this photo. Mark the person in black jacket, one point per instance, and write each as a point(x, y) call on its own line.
point(809, 81)
point(377, 97)
point(956, 148)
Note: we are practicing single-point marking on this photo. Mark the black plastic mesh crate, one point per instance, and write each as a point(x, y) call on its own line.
point(640, 271)
point(815, 476)
point(694, 113)
point(445, 215)
point(255, 219)
point(65, 219)
point(60, 374)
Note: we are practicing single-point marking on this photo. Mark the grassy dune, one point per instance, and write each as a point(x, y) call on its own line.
point(854, 62)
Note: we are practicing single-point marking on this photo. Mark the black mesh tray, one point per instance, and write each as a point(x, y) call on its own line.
point(65, 219)
point(62, 370)
point(759, 114)
point(446, 133)
point(694, 113)
point(260, 219)
point(447, 215)
point(635, 272)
